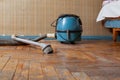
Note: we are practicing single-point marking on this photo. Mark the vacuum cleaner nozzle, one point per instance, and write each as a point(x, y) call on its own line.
point(47, 49)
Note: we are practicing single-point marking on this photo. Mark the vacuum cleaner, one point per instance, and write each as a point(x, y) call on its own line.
point(68, 28)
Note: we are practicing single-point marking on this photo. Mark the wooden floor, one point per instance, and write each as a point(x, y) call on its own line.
point(86, 60)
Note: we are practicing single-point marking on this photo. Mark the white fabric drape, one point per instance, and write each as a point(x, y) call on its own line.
point(110, 10)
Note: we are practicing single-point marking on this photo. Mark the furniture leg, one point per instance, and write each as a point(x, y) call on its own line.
point(114, 35)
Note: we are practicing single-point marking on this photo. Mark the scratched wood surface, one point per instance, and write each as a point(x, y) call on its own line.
point(85, 60)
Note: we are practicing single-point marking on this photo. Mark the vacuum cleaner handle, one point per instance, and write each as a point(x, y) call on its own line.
point(53, 24)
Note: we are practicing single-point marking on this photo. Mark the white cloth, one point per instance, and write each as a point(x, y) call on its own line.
point(109, 10)
point(105, 2)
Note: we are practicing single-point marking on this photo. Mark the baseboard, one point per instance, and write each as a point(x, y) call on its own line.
point(82, 37)
point(98, 38)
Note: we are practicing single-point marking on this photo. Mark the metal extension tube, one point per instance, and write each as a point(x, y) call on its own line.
point(46, 48)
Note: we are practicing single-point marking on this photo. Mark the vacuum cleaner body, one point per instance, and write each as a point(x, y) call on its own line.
point(68, 28)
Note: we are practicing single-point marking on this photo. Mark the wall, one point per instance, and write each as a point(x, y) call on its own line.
point(32, 17)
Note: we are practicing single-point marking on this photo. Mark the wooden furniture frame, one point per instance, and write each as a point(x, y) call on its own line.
point(115, 33)
point(115, 30)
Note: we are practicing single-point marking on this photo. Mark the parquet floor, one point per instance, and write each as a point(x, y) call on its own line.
point(86, 60)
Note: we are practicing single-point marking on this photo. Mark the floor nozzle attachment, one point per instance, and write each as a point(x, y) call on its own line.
point(47, 49)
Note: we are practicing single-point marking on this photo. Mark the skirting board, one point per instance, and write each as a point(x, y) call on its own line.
point(98, 38)
point(7, 37)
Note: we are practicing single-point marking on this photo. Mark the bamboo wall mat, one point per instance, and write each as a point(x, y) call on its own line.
point(33, 17)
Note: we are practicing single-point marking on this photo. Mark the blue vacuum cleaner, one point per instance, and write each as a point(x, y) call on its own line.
point(68, 28)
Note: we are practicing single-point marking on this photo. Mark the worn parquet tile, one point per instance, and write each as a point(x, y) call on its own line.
point(36, 71)
point(18, 71)
point(81, 75)
point(3, 62)
point(50, 72)
point(25, 71)
point(8, 71)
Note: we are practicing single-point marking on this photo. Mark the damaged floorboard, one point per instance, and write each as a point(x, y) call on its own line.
point(85, 60)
